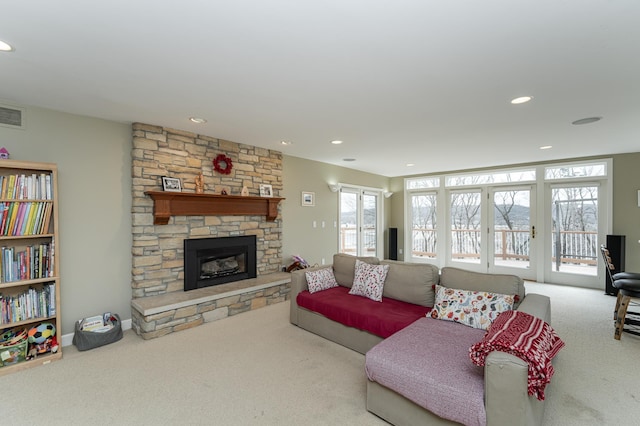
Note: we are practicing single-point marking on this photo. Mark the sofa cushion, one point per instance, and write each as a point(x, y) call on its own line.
point(369, 280)
point(477, 309)
point(382, 319)
point(478, 281)
point(319, 280)
point(344, 267)
point(428, 363)
point(411, 282)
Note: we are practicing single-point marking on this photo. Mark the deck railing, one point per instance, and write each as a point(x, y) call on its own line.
point(576, 247)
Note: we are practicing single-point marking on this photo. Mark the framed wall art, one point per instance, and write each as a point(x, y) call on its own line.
point(266, 190)
point(308, 199)
point(171, 184)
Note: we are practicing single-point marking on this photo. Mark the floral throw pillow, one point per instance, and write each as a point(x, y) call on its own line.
point(322, 279)
point(476, 309)
point(369, 280)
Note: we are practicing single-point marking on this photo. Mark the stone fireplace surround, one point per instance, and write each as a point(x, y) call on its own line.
point(160, 306)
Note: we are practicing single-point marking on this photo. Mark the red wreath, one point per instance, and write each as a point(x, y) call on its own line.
point(222, 164)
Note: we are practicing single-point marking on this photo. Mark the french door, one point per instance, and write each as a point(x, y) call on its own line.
point(512, 231)
point(490, 230)
point(576, 223)
point(541, 223)
point(360, 222)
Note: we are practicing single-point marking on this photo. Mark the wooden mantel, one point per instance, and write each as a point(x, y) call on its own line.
point(167, 204)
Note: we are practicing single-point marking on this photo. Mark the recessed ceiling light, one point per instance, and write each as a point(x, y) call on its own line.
point(410, 164)
point(285, 143)
point(546, 147)
point(586, 120)
point(336, 142)
point(197, 120)
point(521, 100)
point(5, 47)
point(348, 159)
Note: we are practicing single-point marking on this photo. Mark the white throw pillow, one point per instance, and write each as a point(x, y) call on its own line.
point(322, 279)
point(369, 280)
point(477, 309)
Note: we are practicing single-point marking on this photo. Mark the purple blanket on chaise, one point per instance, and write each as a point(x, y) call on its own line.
point(428, 363)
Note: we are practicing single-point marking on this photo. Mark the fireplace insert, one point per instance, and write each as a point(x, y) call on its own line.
point(214, 261)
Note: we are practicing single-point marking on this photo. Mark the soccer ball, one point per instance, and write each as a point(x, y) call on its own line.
point(41, 333)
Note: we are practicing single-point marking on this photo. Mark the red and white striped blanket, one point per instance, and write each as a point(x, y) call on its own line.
point(526, 337)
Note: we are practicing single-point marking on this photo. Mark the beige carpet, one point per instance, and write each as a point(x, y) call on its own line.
point(256, 368)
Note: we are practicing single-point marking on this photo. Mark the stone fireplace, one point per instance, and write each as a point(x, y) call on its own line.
point(160, 303)
point(216, 261)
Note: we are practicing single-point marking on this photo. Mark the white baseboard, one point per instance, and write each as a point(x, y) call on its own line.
point(67, 339)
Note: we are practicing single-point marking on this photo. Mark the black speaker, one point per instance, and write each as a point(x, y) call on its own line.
point(616, 247)
point(393, 243)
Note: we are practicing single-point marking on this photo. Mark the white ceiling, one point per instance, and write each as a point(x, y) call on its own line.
point(424, 81)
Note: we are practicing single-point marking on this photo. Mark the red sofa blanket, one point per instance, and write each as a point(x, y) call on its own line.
point(379, 318)
point(526, 337)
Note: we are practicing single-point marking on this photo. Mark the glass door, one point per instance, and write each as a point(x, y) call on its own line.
point(424, 236)
point(572, 252)
point(369, 234)
point(349, 222)
point(465, 226)
point(511, 234)
point(360, 222)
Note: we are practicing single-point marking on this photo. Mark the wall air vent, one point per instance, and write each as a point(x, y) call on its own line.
point(12, 117)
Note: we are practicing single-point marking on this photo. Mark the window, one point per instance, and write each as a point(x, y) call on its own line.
point(508, 220)
point(360, 221)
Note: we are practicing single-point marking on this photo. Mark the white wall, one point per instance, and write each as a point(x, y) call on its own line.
point(299, 235)
point(94, 186)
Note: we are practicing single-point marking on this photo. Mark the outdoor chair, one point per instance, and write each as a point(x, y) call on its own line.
point(628, 286)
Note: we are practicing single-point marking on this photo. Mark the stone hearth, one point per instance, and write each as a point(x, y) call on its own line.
point(163, 314)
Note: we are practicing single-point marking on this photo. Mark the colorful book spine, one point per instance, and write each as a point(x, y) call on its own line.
point(22, 212)
point(30, 218)
point(4, 210)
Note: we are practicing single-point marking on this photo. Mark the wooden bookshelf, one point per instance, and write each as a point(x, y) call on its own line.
point(167, 204)
point(29, 262)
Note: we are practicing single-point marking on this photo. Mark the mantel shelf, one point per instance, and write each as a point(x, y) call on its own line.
point(167, 204)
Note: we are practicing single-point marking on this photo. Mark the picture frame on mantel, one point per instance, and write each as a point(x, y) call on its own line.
point(170, 184)
point(266, 190)
point(308, 199)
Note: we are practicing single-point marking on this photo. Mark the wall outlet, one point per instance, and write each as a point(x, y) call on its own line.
point(399, 251)
point(323, 260)
point(315, 224)
point(322, 224)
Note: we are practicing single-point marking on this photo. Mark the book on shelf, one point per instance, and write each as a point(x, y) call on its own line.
point(5, 223)
point(31, 227)
point(31, 262)
point(32, 186)
point(46, 217)
point(33, 210)
point(12, 219)
point(11, 185)
point(25, 217)
point(32, 303)
point(23, 209)
point(5, 213)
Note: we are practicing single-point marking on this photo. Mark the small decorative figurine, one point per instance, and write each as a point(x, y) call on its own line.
point(223, 192)
point(245, 191)
point(4, 154)
point(199, 183)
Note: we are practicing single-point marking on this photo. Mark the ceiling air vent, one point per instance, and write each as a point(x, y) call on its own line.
point(11, 116)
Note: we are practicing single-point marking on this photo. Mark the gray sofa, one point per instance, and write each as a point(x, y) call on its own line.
point(506, 397)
